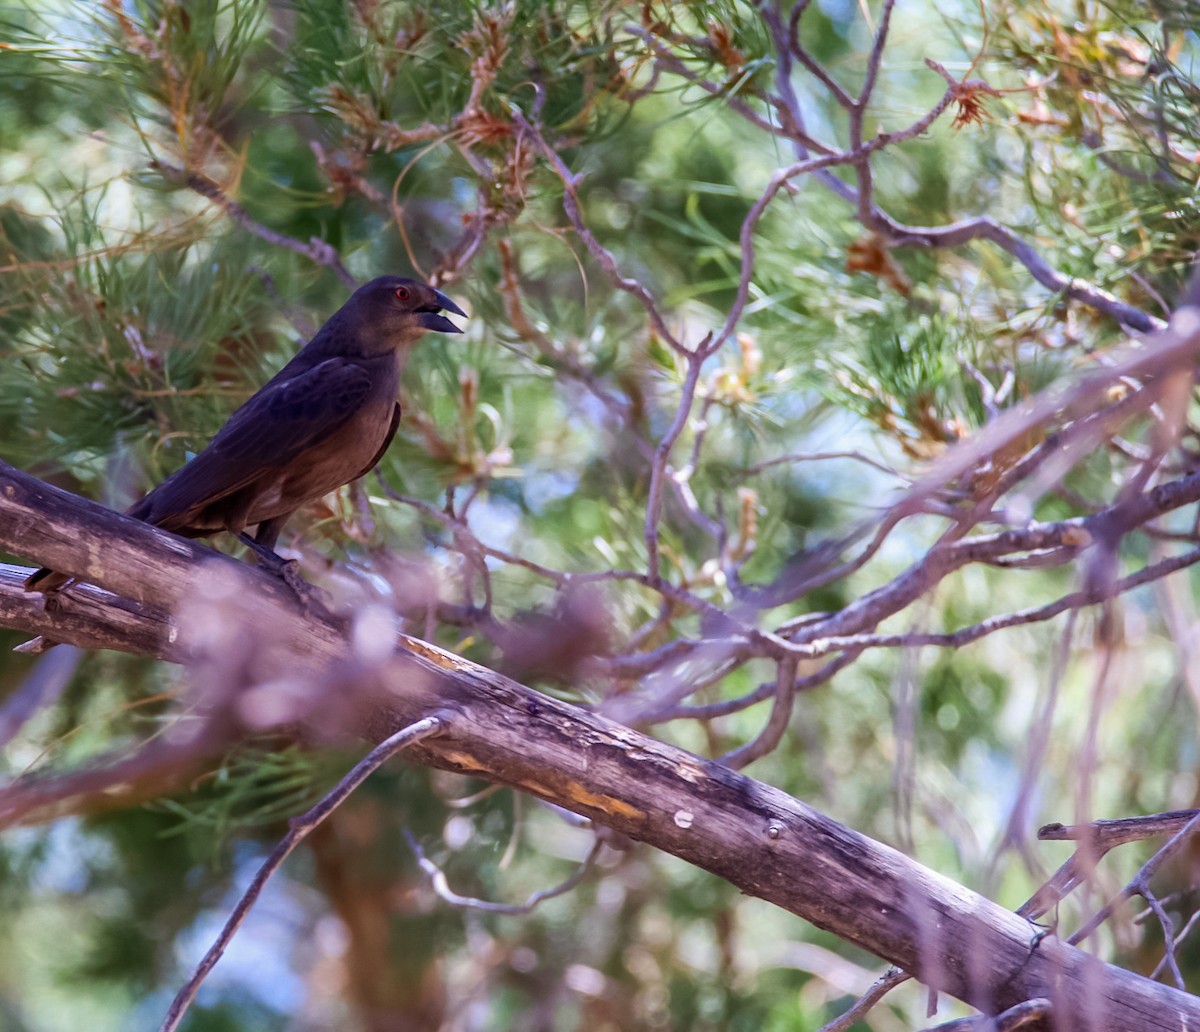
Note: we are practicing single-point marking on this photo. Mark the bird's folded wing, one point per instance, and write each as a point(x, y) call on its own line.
point(288, 417)
point(275, 426)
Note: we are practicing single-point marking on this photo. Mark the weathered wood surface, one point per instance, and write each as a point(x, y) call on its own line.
point(759, 839)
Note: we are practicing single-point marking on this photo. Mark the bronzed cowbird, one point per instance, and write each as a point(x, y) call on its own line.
point(322, 421)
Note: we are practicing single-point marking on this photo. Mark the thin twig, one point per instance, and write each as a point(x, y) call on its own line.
point(874, 218)
point(983, 228)
point(781, 460)
point(664, 59)
point(441, 885)
point(317, 250)
point(573, 210)
point(884, 984)
point(1037, 614)
point(763, 692)
point(299, 828)
point(805, 58)
point(1169, 955)
point(1096, 839)
point(560, 578)
point(781, 712)
point(933, 567)
point(658, 468)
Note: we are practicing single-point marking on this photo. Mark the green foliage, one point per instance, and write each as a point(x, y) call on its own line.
point(136, 313)
point(1118, 112)
point(254, 787)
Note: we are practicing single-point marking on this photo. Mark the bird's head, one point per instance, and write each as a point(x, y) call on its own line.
point(394, 311)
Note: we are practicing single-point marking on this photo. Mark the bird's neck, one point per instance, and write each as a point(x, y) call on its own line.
point(343, 337)
point(384, 362)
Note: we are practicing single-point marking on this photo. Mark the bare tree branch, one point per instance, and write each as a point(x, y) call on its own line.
point(744, 831)
point(859, 153)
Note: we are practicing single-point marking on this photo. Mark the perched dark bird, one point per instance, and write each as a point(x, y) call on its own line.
point(323, 420)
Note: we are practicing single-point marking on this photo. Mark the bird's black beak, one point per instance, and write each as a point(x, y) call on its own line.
point(432, 319)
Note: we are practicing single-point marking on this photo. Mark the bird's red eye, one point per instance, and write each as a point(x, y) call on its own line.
point(403, 293)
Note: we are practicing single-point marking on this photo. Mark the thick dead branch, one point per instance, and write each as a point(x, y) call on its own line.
point(759, 839)
point(96, 619)
point(152, 571)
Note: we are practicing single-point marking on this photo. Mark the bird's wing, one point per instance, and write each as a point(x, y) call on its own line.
point(289, 416)
point(275, 426)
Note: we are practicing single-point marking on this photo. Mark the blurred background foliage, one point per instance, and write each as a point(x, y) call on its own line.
point(136, 312)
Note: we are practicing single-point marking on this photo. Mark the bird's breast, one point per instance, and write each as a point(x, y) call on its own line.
point(339, 459)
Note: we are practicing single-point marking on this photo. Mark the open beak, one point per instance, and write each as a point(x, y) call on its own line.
point(432, 319)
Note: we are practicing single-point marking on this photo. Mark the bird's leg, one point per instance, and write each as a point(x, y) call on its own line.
point(266, 535)
point(287, 570)
point(269, 559)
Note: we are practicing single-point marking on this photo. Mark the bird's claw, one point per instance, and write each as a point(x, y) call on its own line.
point(312, 598)
point(288, 571)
